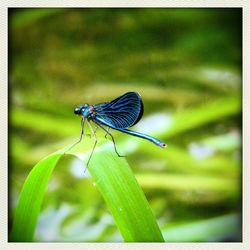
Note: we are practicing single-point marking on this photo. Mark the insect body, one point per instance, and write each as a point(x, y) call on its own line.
point(119, 114)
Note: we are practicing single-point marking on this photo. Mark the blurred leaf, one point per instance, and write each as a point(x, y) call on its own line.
point(114, 179)
point(180, 160)
point(29, 16)
point(149, 92)
point(214, 229)
point(203, 114)
point(188, 182)
point(43, 122)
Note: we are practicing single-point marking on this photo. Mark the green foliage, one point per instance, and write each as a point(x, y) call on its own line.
point(185, 63)
point(115, 181)
point(29, 16)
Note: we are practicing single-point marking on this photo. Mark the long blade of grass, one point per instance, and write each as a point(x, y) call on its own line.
point(114, 179)
point(124, 198)
point(31, 197)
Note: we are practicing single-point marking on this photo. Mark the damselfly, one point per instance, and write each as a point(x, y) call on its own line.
point(119, 114)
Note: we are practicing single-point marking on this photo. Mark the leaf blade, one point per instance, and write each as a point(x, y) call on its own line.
point(31, 197)
point(126, 202)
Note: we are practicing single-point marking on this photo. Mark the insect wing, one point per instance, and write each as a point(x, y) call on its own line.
point(123, 112)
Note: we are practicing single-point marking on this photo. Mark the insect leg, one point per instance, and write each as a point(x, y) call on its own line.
point(96, 129)
point(93, 132)
point(107, 133)
point(82, 132)
point(110, 136)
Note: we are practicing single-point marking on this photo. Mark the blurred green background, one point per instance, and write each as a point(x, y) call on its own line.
point(185, 63)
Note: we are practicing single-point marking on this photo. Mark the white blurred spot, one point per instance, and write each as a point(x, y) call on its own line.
point(78, 169)
point(200, 151)
point(153, 123)
point(226, 141)
point(49, 222)
point(221, 76)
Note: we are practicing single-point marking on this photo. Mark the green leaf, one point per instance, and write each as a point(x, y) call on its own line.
point(31, 197)
point(124, 197)
point(113, 178)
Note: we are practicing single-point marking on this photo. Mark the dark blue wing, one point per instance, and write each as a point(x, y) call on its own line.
point(123, 112)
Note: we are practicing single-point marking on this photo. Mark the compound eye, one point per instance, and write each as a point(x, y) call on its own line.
point(77, 111)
